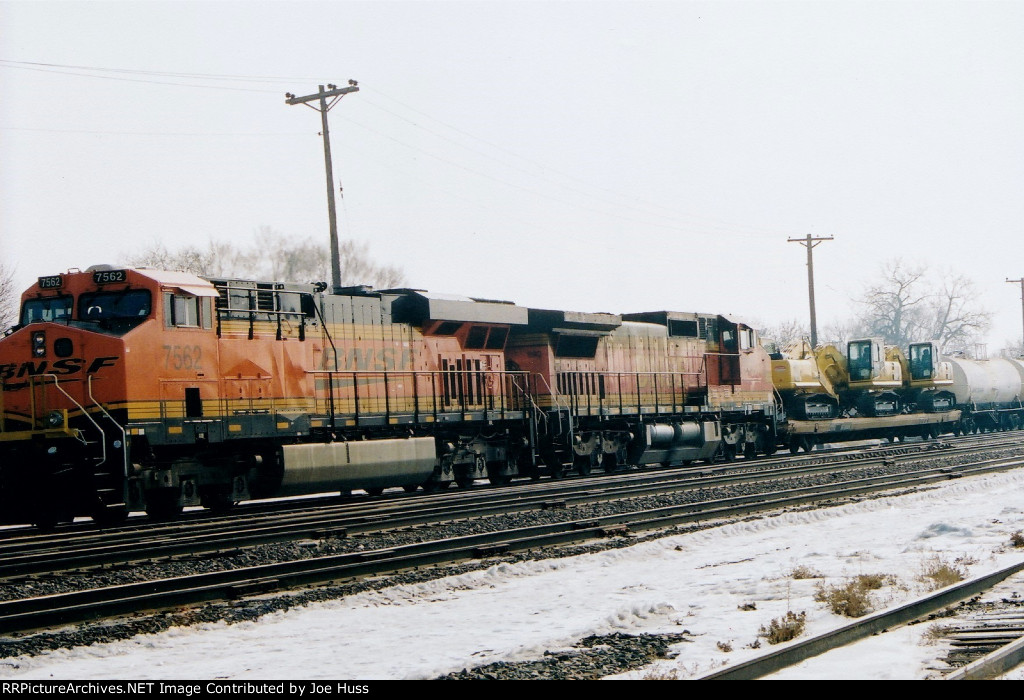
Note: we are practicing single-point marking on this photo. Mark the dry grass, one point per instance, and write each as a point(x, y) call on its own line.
point(662, 675)
point(853, 598)
point(936, 633)
point(1017, 539)
point(872, 582)
point(849, 600)
point(724, 646)
point(939, 574)
point(804, 572)
point(783, 629)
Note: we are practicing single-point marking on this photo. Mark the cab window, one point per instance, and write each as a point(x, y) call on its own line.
point(46, 310)
point(132, 304)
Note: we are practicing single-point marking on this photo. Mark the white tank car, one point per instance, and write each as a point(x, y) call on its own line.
point(987, 383)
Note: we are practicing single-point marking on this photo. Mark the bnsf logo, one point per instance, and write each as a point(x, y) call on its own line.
point(72, 365)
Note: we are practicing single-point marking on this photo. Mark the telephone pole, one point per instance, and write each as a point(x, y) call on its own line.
point(335, 93)
point(1021, 282)
point(811, 243)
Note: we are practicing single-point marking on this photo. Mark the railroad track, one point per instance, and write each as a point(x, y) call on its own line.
point(46, 611)
point(51, 554)
point(993, 645)
point(13, 538)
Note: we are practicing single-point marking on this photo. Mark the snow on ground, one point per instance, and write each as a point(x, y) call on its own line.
point(695, 582)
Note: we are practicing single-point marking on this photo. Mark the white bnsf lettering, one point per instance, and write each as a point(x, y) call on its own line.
point(66, 367)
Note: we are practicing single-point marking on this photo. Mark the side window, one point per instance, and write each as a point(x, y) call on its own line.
point(183, 310)
point(747, 339)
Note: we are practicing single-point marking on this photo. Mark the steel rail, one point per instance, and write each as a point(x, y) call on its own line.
point(795, 652)
point(65, 608)
point(173, 541)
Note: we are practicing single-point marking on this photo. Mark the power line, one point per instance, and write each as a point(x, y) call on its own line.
point(139, 80)
point(605, 191)
point(167, 74)
point(154, 133)
point(670, 219)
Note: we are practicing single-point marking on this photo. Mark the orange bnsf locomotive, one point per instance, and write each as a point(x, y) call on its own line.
point(136, 389)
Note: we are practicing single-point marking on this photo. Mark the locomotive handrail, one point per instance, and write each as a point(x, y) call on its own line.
point(566, 405)
point(124, 433)
point(465, 393)
point(252, 295)
point(605, 395)
point(103, 435)
point(327, 332)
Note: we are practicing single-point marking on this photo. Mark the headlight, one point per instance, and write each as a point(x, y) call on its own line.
point(55, 419)
point(39, 344)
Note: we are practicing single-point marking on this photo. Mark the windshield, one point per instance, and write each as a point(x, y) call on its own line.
point(921, 361)
point(859, 352)
point(133, 304)
point(46, 310)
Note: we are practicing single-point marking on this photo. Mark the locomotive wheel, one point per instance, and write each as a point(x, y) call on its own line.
point(798, 443)
point(464, 482)
point(375, 490)
point(610, 462)
point(108, 516)
point(217, 501)
point(750, 451)
point(161, 505)
point(582, 464)
point(46, 519)
point(431, 486)
point(411, 488)
point(495, 474)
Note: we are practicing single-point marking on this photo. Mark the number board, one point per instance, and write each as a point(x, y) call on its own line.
point(51, 282)
point(109, 276)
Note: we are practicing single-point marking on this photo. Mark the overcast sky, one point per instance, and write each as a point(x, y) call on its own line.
point(617, 156)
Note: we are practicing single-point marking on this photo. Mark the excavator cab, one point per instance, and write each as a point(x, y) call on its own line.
point(874, 379)
point(930, 382)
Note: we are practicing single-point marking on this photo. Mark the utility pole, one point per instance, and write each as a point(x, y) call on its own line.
point(811, 243)
point(1021, 282)
point(335, 93)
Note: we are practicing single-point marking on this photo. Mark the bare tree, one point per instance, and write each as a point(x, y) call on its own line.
point(8, 298)
point(1014, 349)
point(895, 307)
point(274, 256)
point(906, 304)
point(778, 336)
point(186, 259)
point(957, 320)
point(839, 333)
